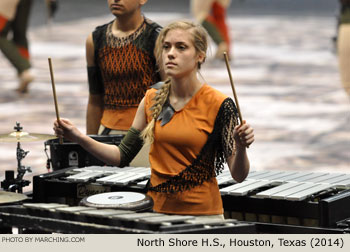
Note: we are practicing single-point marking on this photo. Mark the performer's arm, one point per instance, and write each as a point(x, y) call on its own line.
point(238, 162)
point(94, 114)
point(95, 102)
point(110, 154)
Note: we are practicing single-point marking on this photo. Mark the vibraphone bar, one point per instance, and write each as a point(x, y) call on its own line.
point(61, 218)
point(287, 197)
point(70, 185)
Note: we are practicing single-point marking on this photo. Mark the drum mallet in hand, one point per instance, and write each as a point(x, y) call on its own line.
point(54, 95)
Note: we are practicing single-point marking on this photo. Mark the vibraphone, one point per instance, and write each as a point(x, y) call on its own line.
point(287, 197)
point(70, 185)
point(274, 198)
point(61, 218)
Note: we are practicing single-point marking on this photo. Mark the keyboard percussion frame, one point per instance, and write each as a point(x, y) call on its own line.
point(287, 197)
point(61, 218)
point(275, 201)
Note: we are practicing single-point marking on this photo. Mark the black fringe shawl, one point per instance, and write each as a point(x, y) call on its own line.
point(210, 161)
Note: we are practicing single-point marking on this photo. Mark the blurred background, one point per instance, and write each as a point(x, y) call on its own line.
point(284, 66)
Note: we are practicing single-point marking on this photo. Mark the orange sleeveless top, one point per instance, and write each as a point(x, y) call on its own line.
point(176, 145)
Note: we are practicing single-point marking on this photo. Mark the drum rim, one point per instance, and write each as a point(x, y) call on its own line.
point(115, 139)
point(20, 199)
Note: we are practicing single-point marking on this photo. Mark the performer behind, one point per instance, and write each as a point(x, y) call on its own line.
point(343, 44)
point(211, 14)
point(193, 129)
point(121, 67)
point(14, 17)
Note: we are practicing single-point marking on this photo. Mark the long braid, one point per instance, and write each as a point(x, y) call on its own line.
point(200, 43)
point(162, 95)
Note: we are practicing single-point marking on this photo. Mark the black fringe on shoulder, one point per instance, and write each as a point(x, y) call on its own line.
point(210, 161)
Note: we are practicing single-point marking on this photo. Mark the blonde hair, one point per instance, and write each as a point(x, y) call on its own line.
point(200, 43)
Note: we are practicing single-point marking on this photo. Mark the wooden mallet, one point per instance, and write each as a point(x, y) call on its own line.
point(54, 95)
point(233, 87)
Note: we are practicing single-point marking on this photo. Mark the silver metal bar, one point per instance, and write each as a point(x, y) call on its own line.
point(74, 209)
point(109, 177)
point(269, 175)
point(115, 177)
point(281, 176)
point(84, 176)
point(135, 216)
point(268, 193)
point(143, 183)
point(298, 188)
point(246, 189)
point(345, 184)
point(125, 181)
point(295, 176)
point(224, 179)
point(166, 218)
point(306, 178)
point(227, 189)
point(260, 174)
point(326, 178)
point(316, 188)
point(337, 180)
point(106, 212)
point(46, 206)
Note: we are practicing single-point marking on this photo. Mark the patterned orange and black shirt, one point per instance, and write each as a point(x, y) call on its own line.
point(127, 65)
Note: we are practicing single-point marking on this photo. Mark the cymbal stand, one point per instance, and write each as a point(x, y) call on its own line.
point(21, 169)
point(16, 184)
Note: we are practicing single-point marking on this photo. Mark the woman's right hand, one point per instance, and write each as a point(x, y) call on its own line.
point(65, 129)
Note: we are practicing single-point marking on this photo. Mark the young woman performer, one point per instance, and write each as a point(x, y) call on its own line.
point(193, 129)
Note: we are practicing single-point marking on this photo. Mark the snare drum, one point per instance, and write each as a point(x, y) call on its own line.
point(119, 200)
point(69, 154)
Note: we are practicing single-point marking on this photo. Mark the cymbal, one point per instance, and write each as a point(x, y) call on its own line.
point(21, 136)
point(11, 197)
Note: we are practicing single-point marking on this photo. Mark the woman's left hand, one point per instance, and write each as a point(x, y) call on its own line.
point(243, 135)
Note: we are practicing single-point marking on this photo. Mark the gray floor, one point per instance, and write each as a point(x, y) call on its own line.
point(284, 67)
point(77, 9)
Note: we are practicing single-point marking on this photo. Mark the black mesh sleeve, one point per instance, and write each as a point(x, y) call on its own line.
point(130, 146)
point(210, 161)
point(230, 120)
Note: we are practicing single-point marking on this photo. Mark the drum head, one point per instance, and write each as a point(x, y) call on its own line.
point(119, 200)
point(11, 197)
